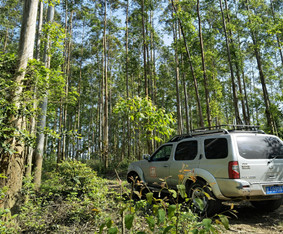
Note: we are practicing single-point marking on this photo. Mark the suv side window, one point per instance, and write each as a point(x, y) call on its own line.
point(186, 150)
point(163, 154)
point(216, 148)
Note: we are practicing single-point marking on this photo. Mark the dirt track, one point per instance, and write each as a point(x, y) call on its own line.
point(251, 220)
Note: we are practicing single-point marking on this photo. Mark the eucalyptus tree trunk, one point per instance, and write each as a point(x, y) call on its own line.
point(105, 72)
point(184, 86)
point(268, 114)
point(12, 165)
point(100, 110)
point(39, 30)
point(177, 79)
point(67, 84)
point(127, 48)
point(237, 58)
point(201, 122)
point(6, 40)
point(38, 156)
point(277, 36)
point(61, 108)
point(152, 58)
point(30, 149)
point(127, 78)
point(205, 80)
point(78, 113)
point(144, 51)
point(234, 88)
point(185, 96)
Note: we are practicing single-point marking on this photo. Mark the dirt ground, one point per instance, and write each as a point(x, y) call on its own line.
point(251, 220)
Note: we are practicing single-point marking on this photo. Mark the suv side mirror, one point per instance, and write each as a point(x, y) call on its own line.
point(146, 157)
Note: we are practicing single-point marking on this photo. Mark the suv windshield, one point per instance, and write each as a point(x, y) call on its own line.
point(260, 147)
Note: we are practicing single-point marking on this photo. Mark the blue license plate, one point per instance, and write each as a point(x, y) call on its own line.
point(274, 189)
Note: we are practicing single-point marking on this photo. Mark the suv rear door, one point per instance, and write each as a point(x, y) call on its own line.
point(216, 154)
point(261, 160)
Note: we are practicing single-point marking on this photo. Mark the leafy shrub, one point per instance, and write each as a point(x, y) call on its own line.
point(70, 197)
point(73, 179)
point(7, 221)
point(160, 215)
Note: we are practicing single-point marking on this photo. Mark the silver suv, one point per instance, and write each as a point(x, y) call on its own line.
point(218, 165)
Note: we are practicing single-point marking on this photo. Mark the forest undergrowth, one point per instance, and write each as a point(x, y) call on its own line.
point(74, 199)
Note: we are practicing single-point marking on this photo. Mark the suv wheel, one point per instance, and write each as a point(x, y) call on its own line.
point(269, 205)
point(203, 202)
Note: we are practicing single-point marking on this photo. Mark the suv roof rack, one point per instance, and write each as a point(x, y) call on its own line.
point(218, 129)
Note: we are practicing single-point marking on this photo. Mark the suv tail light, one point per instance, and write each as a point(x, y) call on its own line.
point(233, 168)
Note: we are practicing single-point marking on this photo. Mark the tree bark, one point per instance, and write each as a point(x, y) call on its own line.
point(39, 149)
point(30, 150)
point(144, 52)
point(237, 59)
point(177, 80)
point(127, 78)
point(201, 122)
point(205, 80)
point(234, 88)
point(277, 36)
point(12, 165)
point(105, 116)
point(268, 114)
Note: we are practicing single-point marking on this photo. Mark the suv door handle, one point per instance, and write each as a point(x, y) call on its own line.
point(165, 166)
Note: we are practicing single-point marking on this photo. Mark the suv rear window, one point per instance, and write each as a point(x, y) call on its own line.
point(259, 147)
point(186, 150)
point(216, 148)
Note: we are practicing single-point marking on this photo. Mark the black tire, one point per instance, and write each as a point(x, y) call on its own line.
point(268, 205)
point(201, 190)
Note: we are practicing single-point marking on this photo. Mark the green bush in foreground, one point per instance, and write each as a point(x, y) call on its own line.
point(160, 215)
point(68, 199)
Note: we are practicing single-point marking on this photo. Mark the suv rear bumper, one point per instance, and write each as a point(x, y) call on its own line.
point(241, 189)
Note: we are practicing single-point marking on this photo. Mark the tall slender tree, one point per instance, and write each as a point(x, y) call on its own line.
point(12, 165)
point(234, 88)
point(205, 79)
point(43, 110)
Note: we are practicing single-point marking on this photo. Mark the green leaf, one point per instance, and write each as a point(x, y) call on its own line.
point(171, 211)
point(173, 193)
point(129, 221)
point(101, 228)
point(161, 216)
point(109, 223)
point(151, 223)
point(199, 203)
point(182, 190)
point(206, 223)
point(195, 231)
point(149, 197)
point(167, 229)
point(224, 221)
point(113, 230)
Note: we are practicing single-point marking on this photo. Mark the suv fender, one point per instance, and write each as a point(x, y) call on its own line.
point(135, 170)
point(199, 173)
